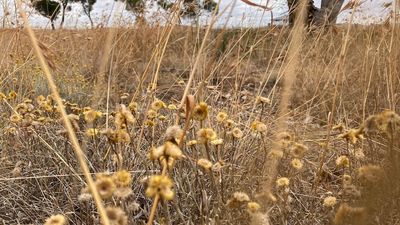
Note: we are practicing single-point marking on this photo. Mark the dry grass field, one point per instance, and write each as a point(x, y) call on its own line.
point(185, 125)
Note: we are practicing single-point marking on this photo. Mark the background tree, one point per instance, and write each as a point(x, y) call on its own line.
point(47, 8)
point(327, 14)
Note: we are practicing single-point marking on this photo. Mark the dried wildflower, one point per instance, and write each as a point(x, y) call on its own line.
point(275, 154)
point(253, 207)
point(162, 185)
point(172, 107)
point(123, 117)
point(173, 133)
point(133, 106)
point(172, 150)
point(205, 135)
point(221, 117)
point(237, 133)
point(15, 118)
point(205, 164)
point(92, 115)
point(297, 164)
point(352, 135)
point(123, 136)
point(157, 105)
point(349, 215)
point(282, 182)
point(191, 143)
point(298, 150)
point(258, 126)
point(346, 179)
point(151, 114)
point(229, 123)
point(133, 207)
point(359, 154)
point(217, 141)
point(238, 199)
point(156, 153)
point(343, 161)
point(2, 96)
point(122, 178)
point(284, 136)
point(262, 100)
point(329, 201)
point(370, 173)
point(12, 95)
point(55, 220)
point(123, 192)
point(149, 123)
point(200, 112)
point(387, 121)
point(21, 108)
point(162, 117)
point(116, 216)
point(105, 186)
point(92, 132)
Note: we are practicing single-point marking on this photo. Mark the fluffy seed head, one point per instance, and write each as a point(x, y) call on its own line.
point(55, 220)
point(329, 201)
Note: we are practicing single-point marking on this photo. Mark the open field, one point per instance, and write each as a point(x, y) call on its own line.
point(280, 126)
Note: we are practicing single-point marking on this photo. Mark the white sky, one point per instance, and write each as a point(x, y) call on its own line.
point(241, 15)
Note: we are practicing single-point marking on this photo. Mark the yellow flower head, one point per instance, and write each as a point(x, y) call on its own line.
point(221, 117)
point(123, 117)
point(162, 185)
point(92, 115)
point(123, 136)
point(205, 135)
point(92, 132)
point(217, 142)
point(133, 106)
point(282, 182)
point(352, 135)
point(297, 164)
point(55, 220)
point(229, 123)
point(157, 105)
point(205, 164)
point(116, 216)
point(237, 133)
point(258, 126)
point(329, 202)
point(151, 114)
point(12, 95)
point(105, 186)
point(2, 96)
point(122, 178)
point(200, 112)
point(343, 161)
point(172, 107)
point(253, 207)
point(172, 150)
point(298, 150)
point(191, 143)
point(238, 199)
point(15, 118)
point(173, 133)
